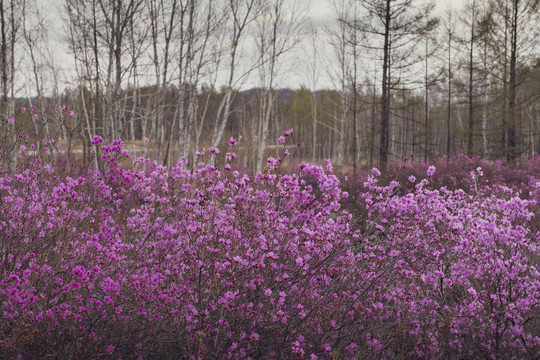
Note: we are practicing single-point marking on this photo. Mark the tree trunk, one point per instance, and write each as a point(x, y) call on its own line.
point(470, 95)
point(385, 100)
point(512, 149)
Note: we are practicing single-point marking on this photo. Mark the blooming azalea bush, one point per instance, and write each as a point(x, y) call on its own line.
point(137, 260)
point(464, 281)
point(192, 262)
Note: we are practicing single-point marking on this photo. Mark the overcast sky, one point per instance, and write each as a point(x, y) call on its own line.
point(294, 74)
point(322, 12)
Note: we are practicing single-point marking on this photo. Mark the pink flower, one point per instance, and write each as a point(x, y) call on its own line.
point(11, 120)
point(430, 170)
point(71, 113)
point(268, 292)
point(282, 139)
point(23, 109)
point(213, 150)
point(23, 148)
point(110, 349)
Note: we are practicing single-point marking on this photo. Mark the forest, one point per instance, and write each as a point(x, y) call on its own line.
point(374, 81)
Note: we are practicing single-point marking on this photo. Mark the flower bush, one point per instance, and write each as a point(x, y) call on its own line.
point(191, 262)
point(138, 260)
point(464, 280)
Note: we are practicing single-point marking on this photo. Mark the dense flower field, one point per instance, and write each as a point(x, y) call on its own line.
point(136, 260)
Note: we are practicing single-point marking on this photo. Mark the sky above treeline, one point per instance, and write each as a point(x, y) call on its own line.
point(293, 72)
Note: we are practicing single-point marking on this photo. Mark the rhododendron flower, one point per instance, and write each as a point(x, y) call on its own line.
point(23, 148)
point(232, 141)
point(288, 132)
point(268, 292)
point(412, 178)
point(11, 120)
point(431, 170)
point(110, 349)
point(213, 150)
point(230, 156)
point(282, 139)
point(97, 139)
point(23, 109)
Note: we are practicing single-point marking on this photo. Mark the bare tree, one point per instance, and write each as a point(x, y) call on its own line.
point(10, 20)
point(449, 37)
point(340, 40)
point(242, 13)
point(393, 27)
point(279, 27)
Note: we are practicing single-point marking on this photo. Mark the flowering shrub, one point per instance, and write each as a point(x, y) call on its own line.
point(163, 261)
point(464, 280)
point(148, 261)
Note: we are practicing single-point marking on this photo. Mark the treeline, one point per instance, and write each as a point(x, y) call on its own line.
point(173, 76)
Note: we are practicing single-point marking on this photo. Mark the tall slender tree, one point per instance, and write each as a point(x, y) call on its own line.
point(393, 27)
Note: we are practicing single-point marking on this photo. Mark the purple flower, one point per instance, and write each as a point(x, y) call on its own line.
point(11, 120)
point(268, 292)
point(282, 139)
point(23, 109)
point(213, 150)
point(430, 170)
point(110, 349)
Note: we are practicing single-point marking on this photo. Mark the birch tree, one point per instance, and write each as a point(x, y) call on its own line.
point(241, 14)
point(279, 26)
